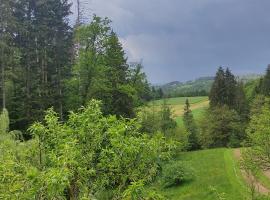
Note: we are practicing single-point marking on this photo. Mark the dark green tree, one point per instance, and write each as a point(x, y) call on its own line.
point(264, 84)
point(190, 127)
point(167, 125)
point(218, 94)
point(221, 127)
point(43, 37)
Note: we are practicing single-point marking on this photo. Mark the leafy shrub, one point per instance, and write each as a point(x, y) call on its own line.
point(80, 158)
point(137, 191)
point(176, 173)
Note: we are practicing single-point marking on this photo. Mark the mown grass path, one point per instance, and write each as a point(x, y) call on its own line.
point(216, 169)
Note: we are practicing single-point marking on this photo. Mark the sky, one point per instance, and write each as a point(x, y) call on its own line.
point(180, 40)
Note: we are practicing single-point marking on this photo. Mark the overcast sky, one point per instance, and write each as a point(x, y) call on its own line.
point(186, 39)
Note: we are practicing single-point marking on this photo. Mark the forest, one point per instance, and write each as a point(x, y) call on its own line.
point(79, 121)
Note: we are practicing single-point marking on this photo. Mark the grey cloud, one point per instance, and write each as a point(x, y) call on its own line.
point(185, 39)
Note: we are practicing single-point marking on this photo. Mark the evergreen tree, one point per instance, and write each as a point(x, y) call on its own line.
point(227, 91)
point(44, 41)
point(230, 89)
point(240, 102)
point(190, 127)
point(218, 94)
point(221, 127)
point(264, 84)
point(160, 93)
point(167, 125)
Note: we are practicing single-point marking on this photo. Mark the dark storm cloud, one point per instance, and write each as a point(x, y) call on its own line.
point(185, 39)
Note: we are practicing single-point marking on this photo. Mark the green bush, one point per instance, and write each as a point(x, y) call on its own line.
point(176, 173)
point(137, 191)
point(81, 158)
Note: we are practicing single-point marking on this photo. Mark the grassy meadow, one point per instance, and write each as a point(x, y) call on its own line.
point(197, 105)
point(217, 175)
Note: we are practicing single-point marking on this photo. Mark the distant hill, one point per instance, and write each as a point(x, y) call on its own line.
point(198, 87)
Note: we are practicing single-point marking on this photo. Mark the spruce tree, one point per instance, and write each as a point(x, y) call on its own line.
point(217, 94)
point(265, 84)
point(43, 37)
point(190, 127)
point(230, 88)
point(224, 89)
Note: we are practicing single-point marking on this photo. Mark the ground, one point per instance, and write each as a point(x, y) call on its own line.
point(216, 173)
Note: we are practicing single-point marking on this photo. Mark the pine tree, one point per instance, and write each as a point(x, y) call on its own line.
point(240, 102)
point(217, 94)
point(190, 127)
point(44, 41)
point(224, 89)
point(7, 49)
point(167, 124)
point(230, 88)
point(264, 85)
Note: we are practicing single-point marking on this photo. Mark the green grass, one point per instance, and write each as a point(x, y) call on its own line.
point(197, 105)
point(197, 114)
point(264, 180)
point(213, 168)
point(180, 100)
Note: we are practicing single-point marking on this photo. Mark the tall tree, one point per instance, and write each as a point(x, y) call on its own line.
point(44, 41)
point(7, 50)
point(264, 84)
point(101, 71)
point(190, 127)
point(218, 94)
point(230, 88)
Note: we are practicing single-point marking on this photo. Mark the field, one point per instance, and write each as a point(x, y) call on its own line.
point(217, 173)
point(197, 105)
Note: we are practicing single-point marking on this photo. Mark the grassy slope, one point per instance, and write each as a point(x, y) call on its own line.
point(181, 100)
point(215, 167)
point(198, 105)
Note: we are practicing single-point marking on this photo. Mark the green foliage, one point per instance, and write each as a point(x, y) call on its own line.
point(264, 84)
point(176, 173)
point(17, 175)
point(227, 91)
point(101, 72)
point(221, 127)
point(4, 122)
point(153, 121)
point(136, 191)
point(81, 158)
point(198, 87)
point(258, 135)
point(190, 127)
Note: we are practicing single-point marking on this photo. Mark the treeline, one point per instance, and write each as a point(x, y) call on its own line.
point(223, 124)
point(196, 93)
point(47, 63)
point(233, 104)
